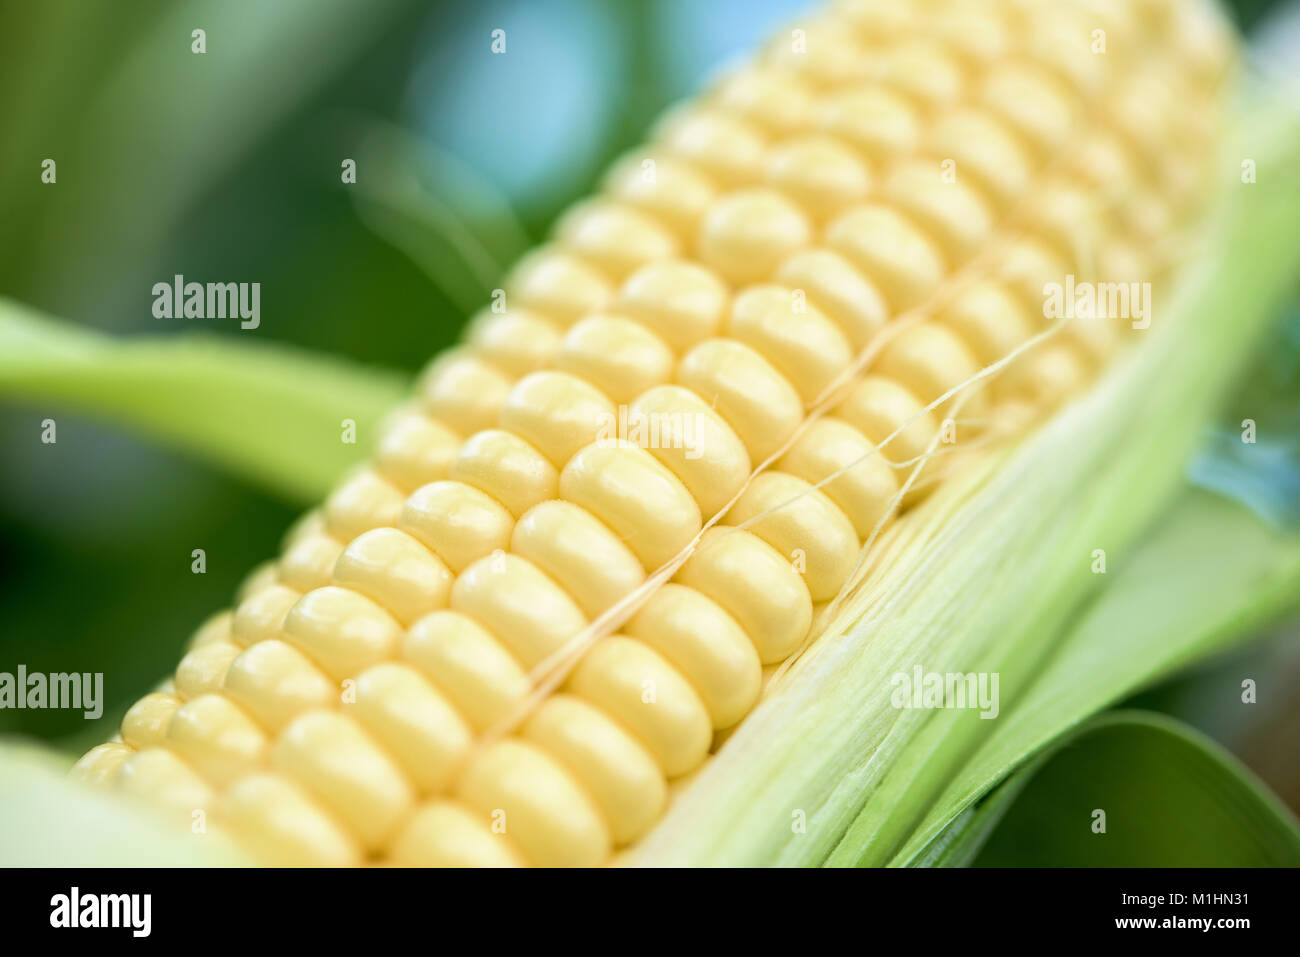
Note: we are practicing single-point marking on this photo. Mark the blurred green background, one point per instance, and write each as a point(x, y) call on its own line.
point(226, 167)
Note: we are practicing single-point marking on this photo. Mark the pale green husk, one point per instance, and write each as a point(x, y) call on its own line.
point(270, 412)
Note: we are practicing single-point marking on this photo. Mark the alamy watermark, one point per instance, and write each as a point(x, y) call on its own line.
point(80, 691)
point(179, 299)
point(1098, 300)
point(75, 909)
point(651, 430)
point(951, 690)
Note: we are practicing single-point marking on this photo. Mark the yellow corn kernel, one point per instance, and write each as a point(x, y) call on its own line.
point(464, 661)
point(1045, 376)
point(747, 233)
point(671, 190)
point(922, 70)
point(983, 149)
point(446, 834)
point(215, 628)
point(158, 775)
point(829, 55)
point(1066, 216)
point(1182, 180)
point(819, 173)
point(802, 523)
point(507, 468)
point(580, 553)
point(557, 413)
point(891, 418)
point(978, 32)
point(878, 122)
point(877, 20)
point(145, 724)
point(288, 829)
point(778, 103)
point(726, 148)
point(614, 237)
point(617, 355)
point(1096, 337)
point(517, 341)
point(989, 320)
point(463, 391)
point(1143, 109)
point(328, 755)
point(952, 213)
point(631, 492)
point(340, 630)
point(1024, 264)
point(203, 669)
point(756, 584)
point(309, 523)
point(680, 301)
point(395, 570)
point(1147, 216)
point(216, 738)
point(557, 285)
point(632, 682)
point(1105, 164)
point(1029, 98)
point(261, 617)
point(904, 263)
point(459, 523)
point(365, 501)
point(414, 449)
point(758, 402)
point(929, 360)
point(794, 336)
point(524, 794)
point(832, 284)
point(684, 433)
point(514, 600)
point(706, 645)
point(309, 562)
point(263, 576)
point(615, 769)
point(864, 485)
point(275, 682)
point(1067, 34)
point(101, 763)
point(417, 726)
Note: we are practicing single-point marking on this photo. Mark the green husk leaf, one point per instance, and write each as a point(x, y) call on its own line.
point(1210, 575)
point(828, 770)
point(268, 412)
point(1171, 797)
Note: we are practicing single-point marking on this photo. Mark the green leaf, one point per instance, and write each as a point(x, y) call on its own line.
point(1210, 575)
point(270, 413)
point(1171, 796)
point(49, 820)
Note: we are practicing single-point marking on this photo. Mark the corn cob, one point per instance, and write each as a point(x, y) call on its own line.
point(501, 641)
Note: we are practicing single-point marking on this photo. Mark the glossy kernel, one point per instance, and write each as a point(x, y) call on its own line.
point(395, 570)
point(506, 467)
point(631, 492)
